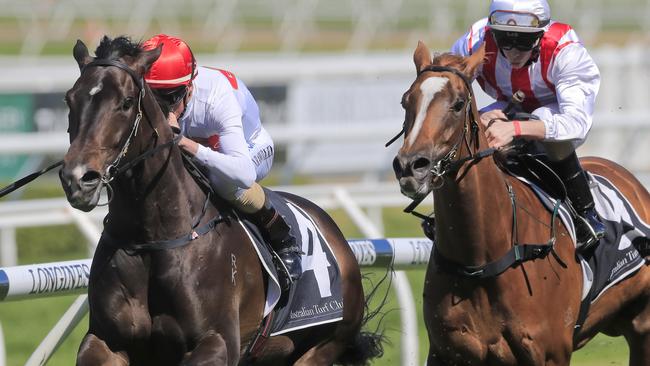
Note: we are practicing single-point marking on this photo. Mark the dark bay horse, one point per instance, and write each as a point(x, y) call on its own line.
point(200, 300)
point(525, 315)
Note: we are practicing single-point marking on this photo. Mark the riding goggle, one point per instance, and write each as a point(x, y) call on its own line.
point(172, 96)
point(514, 21)
point(520, 41)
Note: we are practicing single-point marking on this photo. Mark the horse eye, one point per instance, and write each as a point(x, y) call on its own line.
point(128, 103)
point(460, 103)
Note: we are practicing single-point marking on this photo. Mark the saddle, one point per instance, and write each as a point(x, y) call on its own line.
point(526, 162)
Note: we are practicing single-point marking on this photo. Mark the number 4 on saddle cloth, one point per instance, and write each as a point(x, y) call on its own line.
point(316, 297)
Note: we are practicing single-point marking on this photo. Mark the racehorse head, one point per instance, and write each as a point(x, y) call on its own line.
point(438, 108)
point(105, 108)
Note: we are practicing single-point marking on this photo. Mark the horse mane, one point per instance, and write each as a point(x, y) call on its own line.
point(113, 49)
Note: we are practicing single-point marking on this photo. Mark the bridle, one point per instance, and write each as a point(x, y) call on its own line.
point(450, 163)
point(113, 170)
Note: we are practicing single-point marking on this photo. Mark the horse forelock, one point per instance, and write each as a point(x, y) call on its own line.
point(116, 48)
point(449, 59)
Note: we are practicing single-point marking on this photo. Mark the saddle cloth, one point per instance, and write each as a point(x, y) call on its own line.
point(316, 298)
point(616, 257)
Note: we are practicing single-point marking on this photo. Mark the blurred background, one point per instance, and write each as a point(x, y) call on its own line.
point(328, 76)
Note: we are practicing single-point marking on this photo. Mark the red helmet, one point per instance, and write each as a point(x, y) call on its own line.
point(176, 65)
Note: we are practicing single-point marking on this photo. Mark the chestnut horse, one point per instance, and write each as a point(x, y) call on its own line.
point(175, 280)
point(525, 315)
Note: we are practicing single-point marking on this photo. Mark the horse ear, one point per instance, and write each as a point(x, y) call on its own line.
point(473, 62)
point(80, 53)
point(147, 58)
point(422, 57)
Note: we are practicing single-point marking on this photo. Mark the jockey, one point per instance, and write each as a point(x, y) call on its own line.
point(220, 123)
point(527, 51)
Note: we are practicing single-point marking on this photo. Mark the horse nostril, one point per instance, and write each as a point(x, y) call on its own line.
point(397, 167)
point(421, 164)
point(90, 179)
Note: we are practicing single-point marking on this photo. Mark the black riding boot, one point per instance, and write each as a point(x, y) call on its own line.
point(277, 232)
point(589, 227)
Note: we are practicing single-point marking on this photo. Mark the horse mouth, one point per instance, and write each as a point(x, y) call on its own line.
point(86, 202)
point(413, 188)
point(81, 194)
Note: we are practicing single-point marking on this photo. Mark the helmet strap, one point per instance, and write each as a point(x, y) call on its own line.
point(186, 99)
point(534, 55)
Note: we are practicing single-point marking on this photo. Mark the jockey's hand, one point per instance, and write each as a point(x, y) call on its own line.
point(493, 115)
point(188, 145)
point(185, 143)
point(500, 134)
point(173, 122)
point(175, 114)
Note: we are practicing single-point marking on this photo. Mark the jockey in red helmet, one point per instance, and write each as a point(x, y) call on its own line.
point(220, 123)
point(526, 50)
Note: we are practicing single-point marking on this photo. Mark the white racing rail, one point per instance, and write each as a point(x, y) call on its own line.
point(34, 281)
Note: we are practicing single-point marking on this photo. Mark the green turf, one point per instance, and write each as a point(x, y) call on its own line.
point(25, 323)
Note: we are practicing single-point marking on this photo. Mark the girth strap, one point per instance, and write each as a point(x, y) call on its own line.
point(518, 254)
point(167, 244)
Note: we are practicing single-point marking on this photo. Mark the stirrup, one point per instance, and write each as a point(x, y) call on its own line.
point(290, 259)
point(586, 236)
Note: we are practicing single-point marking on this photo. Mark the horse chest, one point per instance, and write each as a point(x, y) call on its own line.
point(466, 329)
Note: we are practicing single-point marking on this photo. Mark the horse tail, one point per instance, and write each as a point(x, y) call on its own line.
point(364, 347)
point(367, 345)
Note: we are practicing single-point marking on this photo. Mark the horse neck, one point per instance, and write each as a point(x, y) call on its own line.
point(473, 212)
point(158, 199)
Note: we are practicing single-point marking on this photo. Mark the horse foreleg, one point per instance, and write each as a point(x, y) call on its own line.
point(95, 352)
point(211, 350)
point(639, 351)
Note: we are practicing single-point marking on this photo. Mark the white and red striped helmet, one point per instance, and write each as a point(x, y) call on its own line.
point(176, 65)
point(522, 16)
